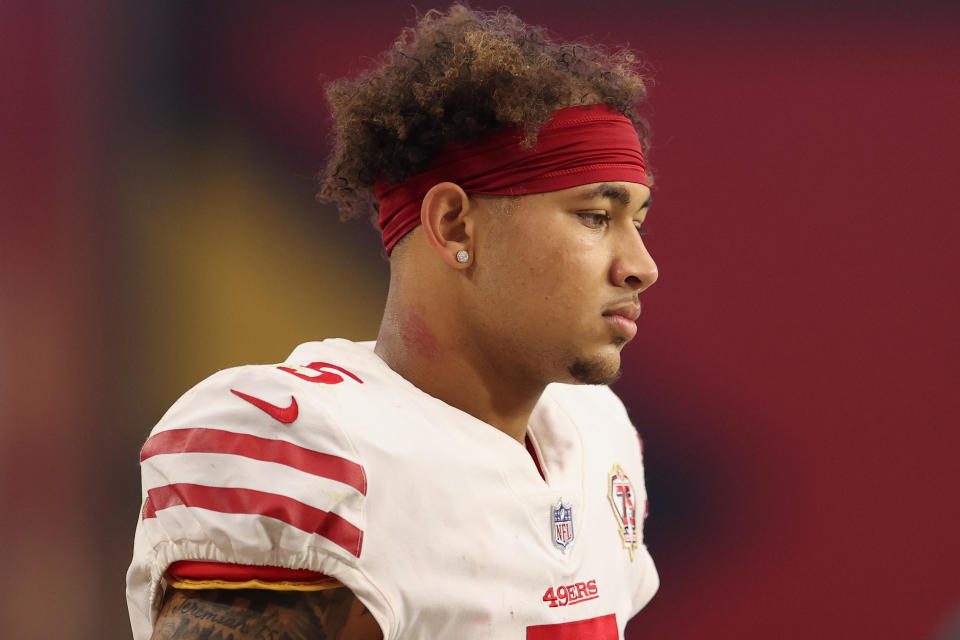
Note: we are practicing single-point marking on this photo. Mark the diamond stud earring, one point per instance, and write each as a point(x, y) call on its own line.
point(463, 256)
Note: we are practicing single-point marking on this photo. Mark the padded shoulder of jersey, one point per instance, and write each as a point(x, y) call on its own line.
point(251, 467)
point(262, 400)
point(596, 403)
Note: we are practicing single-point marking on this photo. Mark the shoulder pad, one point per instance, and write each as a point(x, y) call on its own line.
point(598, 407)
point(251, 467)
point(596, 400)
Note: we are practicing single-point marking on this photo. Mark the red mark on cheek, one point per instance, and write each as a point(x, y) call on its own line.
point(417, 336)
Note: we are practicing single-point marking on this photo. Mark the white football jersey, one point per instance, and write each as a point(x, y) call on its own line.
point(439, 523)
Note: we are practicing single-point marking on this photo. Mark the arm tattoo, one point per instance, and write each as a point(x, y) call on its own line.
point(259, 614)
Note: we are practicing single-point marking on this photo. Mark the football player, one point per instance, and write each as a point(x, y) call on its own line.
point(469, 474)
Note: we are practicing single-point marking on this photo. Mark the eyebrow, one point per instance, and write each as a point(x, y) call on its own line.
point(614, 192)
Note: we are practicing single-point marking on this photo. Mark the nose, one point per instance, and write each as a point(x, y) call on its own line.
point(633, 266)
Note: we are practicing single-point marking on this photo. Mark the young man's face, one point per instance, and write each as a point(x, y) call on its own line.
point(557, 280)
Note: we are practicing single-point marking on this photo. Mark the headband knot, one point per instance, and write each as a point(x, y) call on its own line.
point(578, 145)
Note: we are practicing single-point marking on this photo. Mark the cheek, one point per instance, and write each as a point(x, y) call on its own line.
point(544, 275)
point(565, 262)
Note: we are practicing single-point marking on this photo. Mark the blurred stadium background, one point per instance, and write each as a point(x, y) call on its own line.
point(795, 379)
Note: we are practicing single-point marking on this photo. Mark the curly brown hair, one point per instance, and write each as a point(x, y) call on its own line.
point(457, 76)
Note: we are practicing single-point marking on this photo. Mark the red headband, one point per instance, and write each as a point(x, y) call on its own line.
point(579, 145)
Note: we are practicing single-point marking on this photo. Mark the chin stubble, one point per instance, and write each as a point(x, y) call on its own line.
point(595, 371)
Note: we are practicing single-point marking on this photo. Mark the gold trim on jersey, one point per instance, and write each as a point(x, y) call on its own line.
point(282, 585)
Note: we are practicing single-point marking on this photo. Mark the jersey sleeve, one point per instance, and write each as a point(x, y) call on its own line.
point(600, 408)
point(249, 468)
point(632, 441)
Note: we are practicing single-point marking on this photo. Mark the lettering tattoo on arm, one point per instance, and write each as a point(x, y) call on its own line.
point(260, 614)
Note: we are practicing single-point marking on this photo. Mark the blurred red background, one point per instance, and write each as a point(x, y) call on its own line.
point(794, 379)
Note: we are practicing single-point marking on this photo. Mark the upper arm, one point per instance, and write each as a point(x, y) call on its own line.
point(260, 614)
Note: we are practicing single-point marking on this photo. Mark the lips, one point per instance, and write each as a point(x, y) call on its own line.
point(623, 319)
point(629, 311)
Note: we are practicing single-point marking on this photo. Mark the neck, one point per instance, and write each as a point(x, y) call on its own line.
point(424, 342)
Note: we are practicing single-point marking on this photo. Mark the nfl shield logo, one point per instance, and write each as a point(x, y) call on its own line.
point(562, 524)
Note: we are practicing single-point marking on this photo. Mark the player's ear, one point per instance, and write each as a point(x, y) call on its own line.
point(448, 223)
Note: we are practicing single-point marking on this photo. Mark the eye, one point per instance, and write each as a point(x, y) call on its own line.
point(595, 219)
point(641, 230)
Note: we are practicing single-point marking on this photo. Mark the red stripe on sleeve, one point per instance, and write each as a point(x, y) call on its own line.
point(204, 570)
point(199, 440)
point(249, 501)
